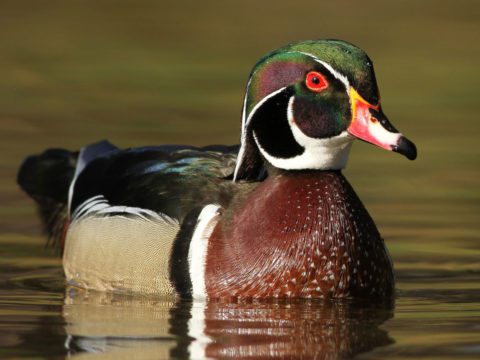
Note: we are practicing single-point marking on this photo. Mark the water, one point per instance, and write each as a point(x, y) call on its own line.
point(39, 318)
point(146, 73)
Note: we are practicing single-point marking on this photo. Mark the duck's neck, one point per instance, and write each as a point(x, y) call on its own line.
point(299, 234)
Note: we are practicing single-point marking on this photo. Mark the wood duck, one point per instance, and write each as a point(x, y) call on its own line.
point(272, 218)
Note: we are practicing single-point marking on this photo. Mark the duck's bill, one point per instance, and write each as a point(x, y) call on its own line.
point(371, 125)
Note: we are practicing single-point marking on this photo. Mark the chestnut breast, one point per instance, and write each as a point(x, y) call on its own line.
point(303, 234)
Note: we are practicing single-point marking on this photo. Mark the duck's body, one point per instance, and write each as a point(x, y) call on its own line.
point(276, 220)
point(311, 237)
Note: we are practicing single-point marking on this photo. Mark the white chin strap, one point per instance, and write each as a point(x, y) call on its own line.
point(320, 154)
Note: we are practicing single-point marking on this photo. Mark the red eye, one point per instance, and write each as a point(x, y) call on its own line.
point(316, 81)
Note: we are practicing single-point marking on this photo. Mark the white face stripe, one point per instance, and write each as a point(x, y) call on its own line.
point(261, 102)
point(244, 110)
point(245, 125)
point(197, 252)
point(329, 67)
point(327, 154)
point(245, 120)
point(334, 72)
point(320, 154)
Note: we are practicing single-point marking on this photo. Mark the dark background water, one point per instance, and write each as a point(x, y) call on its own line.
point(146, 72)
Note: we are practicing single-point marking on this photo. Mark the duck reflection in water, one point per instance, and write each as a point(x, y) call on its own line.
point(121, 326)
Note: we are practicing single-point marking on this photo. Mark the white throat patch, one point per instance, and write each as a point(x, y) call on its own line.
point(320, 154)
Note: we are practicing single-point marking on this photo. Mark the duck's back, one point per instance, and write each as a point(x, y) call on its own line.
point(127, 218)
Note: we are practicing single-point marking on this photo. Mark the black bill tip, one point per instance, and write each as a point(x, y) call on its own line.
point(406, 147)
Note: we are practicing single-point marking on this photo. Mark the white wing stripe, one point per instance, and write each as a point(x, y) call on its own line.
point(197, 252)
point(98, 205)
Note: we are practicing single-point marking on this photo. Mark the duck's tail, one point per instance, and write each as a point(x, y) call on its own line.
point(46, 178)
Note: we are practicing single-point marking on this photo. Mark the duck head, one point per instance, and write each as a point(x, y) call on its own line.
point(305, 103)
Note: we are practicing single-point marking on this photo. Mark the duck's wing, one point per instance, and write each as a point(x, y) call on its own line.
point(168, 180)
point(134, 215)
point(134, 219)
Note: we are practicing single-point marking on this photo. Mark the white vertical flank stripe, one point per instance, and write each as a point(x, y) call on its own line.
point(197, 253)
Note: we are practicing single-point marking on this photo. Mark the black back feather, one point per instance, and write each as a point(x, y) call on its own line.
point(167, 179)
